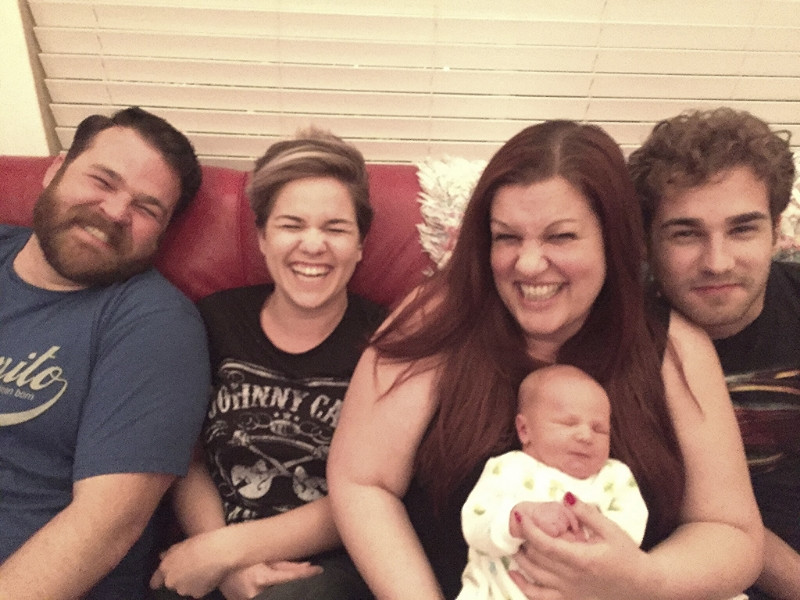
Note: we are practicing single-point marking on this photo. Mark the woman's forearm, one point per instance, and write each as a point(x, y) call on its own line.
point(199, 563)
point(296, 534)
point(781, 575)
point(196, 501)
point(380, 539)
point(714, 559)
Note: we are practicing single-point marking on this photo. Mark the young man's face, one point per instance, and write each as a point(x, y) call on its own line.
point(711, 248)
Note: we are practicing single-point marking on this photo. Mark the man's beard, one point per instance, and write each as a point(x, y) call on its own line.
point(79, 263)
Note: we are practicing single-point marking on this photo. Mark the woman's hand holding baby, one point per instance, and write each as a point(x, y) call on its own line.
point(608, 566)
point(555, 519)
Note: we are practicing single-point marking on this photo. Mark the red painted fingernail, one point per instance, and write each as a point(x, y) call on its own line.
point(569, 498)
point(517, 516)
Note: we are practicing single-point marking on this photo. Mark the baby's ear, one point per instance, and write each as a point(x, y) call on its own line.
point(521, 424)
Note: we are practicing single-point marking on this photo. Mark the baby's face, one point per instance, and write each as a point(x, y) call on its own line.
point(566, 425)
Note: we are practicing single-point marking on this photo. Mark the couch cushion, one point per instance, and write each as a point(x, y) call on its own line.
point(213, 245)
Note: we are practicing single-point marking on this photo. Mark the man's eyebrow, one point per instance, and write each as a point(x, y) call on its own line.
point(142, 198)
point(748, 217)
point(150, 200)
point(740, 219)
point(108, 172)
point(681, 222)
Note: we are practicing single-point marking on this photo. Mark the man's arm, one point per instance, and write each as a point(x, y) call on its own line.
point(87, 539)
point(781, 575)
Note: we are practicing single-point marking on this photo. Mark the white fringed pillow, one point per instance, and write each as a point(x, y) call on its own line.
point(446, 185)
point(789, 241)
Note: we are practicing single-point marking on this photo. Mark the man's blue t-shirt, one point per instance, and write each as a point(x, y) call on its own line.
point(96, 381)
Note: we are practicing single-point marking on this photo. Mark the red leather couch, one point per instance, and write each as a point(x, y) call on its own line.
point(212, 246)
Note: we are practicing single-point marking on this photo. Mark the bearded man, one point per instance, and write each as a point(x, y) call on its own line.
point(103, 364)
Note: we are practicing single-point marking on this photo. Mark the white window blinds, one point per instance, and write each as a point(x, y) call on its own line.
point(406, 79)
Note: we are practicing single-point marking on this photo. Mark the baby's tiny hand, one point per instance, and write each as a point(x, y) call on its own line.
point(553, 518)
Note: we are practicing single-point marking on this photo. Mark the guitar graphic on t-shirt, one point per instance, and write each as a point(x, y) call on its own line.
point(255, 481)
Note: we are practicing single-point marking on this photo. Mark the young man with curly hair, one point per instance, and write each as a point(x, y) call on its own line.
point(713, 185)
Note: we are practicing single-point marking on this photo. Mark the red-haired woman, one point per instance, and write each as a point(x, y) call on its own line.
point(547, 269)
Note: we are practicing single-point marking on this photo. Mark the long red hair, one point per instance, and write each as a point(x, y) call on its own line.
point(480, 350)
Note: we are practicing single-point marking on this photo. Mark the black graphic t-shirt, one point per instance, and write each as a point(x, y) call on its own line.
point(272, 414)
point(762, 370)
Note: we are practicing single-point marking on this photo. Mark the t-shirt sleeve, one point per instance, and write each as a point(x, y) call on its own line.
point(148, 391)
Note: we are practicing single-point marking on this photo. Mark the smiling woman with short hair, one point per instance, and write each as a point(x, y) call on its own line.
point(255, 502)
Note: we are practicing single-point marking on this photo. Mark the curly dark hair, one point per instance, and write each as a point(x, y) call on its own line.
point(690, 149)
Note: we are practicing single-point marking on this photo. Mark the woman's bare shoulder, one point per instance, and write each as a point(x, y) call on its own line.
point(692, 373)
point(416, 307)
point(683, 331)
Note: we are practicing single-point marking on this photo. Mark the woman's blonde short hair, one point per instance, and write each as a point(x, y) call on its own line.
point(311, 153)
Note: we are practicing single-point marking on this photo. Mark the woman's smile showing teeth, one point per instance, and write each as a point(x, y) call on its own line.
point(543, 291)
point(311, 270)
